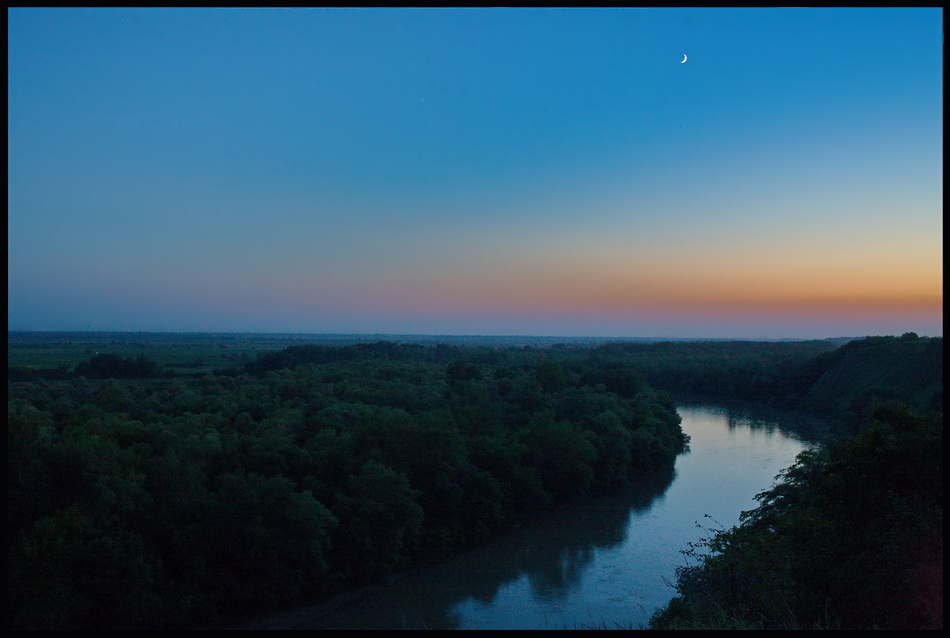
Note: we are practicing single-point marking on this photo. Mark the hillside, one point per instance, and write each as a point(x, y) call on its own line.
point(852, 380)
point(850, 538)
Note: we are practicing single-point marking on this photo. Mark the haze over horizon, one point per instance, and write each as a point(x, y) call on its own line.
point(549, 172)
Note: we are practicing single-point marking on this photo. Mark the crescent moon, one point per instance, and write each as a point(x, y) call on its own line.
point(684, 59)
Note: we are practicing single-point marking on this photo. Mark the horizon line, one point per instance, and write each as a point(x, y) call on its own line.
point(448, 335)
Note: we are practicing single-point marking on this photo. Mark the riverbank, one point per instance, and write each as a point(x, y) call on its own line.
point(601, 562)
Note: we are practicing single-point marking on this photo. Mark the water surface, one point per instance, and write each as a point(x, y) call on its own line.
point(605, 563)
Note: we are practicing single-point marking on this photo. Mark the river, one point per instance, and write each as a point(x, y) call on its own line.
point(605, 563)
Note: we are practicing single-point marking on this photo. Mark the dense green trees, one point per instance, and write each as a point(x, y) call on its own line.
point(851, 538)
point(140, 501)
point(756, 370)
point(110, 366)
point(844, 383)
point(191, 501)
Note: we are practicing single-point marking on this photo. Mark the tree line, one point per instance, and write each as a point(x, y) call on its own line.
point(850, 538)
point(842, 381)
point(141, 501)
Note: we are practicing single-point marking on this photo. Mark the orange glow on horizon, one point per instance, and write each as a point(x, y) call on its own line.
point(573, 292)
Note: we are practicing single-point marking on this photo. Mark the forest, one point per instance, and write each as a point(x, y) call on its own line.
point(851, 536)
point(167, 483)
point(191, 501)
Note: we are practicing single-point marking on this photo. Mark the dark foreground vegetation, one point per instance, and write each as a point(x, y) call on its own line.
point(198, 500)
point(175, 482)
point(851, 538)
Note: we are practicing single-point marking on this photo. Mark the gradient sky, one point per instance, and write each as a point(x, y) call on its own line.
point(477, 171)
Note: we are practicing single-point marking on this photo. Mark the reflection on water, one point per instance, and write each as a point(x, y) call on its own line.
point(738, 414)
point(606, 562)
point(543, 562)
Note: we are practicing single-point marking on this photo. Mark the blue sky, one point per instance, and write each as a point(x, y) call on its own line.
point(477, 171)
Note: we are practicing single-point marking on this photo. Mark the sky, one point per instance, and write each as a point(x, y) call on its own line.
point(549, 172)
